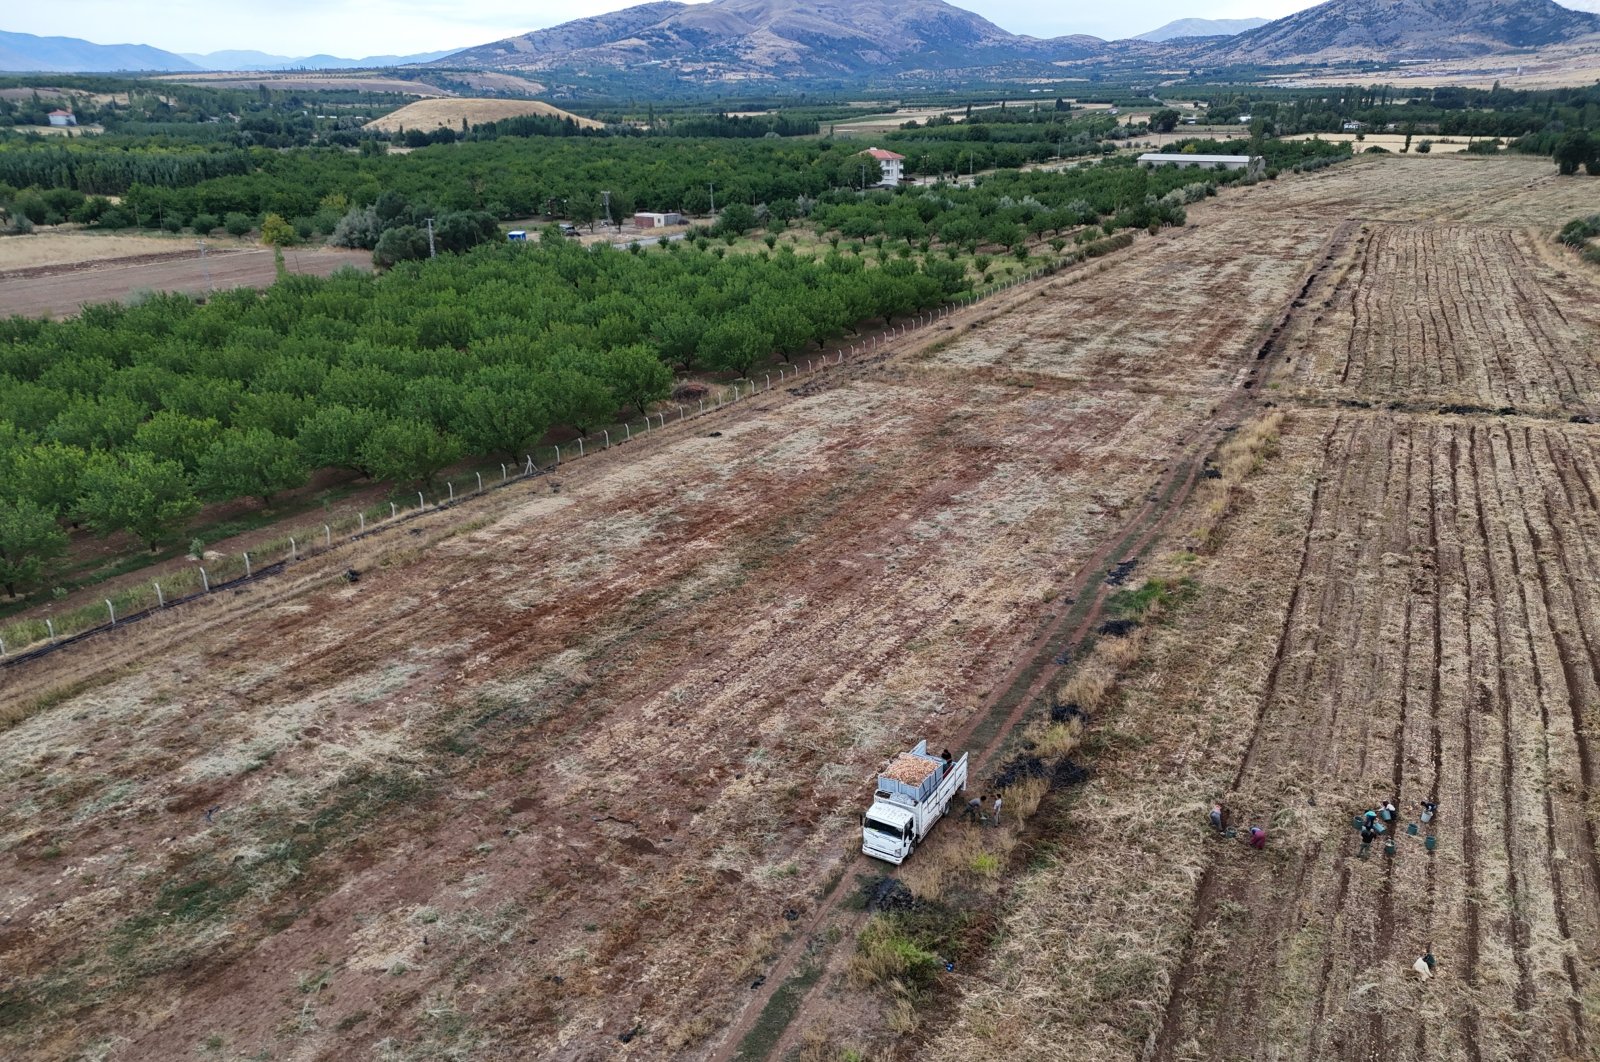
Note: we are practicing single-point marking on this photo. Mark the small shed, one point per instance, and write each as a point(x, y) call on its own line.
point(1253, 165)
point(517, 235)
point(657, 220)
point(59, 117)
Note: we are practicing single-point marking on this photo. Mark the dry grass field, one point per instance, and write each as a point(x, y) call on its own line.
point(1402, 608)
point(428, 115)
point(573, 771)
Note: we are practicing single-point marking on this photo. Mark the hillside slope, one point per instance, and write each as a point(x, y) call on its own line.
point(774, 38)
point(1405, 29)
point(1201, 27)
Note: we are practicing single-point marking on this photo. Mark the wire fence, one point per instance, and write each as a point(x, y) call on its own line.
point(31, 638)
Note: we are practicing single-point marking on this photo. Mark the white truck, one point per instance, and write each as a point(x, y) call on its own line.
point(914, 791)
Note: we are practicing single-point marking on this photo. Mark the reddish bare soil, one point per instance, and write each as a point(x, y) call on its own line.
point(573, 766)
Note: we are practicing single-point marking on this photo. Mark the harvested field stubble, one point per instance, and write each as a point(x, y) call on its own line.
point(1400, 606)
point(624, 727)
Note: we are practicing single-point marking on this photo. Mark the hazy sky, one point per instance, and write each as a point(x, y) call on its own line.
point(356, 28)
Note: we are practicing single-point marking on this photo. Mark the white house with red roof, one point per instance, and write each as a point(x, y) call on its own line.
point(63, 118)
point(891, 164)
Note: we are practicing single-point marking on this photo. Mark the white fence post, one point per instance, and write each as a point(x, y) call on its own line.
point(451, 487)
point(769, 378)
point(247, 572)
point(527, 469)
point(580, 447)
point(480, 480)
point(502, 471)
point(327, 536)
point(161, 599)
point(702, 405)
point(680, 415)
point(363, 518)
point(294, 550)
point(421, 502)
point(112, 611)
point(205, 580)
point(607, 433)
point(50, 625)
point(629, 430)
point(393, 512)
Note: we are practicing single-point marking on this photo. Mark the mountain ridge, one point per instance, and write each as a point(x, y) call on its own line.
point(27, 52)
point(1199, 27)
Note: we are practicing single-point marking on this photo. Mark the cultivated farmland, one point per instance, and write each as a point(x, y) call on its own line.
point(573, 771)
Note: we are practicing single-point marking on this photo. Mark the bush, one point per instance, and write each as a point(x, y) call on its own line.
point(1424, 147)
point(237, 224)
point(205, 223)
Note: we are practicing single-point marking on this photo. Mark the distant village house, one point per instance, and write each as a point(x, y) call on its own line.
point(1253, 165)
point(890, 163)
point(63, 118)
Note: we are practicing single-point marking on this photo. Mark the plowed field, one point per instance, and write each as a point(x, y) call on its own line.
point(573, 770)
point(1405, 609)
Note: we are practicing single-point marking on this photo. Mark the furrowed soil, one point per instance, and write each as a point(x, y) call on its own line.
point(1404, 608)
point(573, 769)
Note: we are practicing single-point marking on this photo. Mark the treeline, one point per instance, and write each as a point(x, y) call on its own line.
point(125, 419)
point(513, 178)
point(1443, 111)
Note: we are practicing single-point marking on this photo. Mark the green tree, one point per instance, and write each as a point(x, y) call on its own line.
point(48, 475)
point(575, 399)
point(178, 437)
point(736, 219)
point(30, 544)
point(407, 450)
point(1164, 120)
point(277, 232)
point(332, 436)
point(137, 493)
point(237, 224)
point(252, 462)
point(502, 420)
point(1573, 150)
point(634, 374)
point(403, 243)
point(734, 344)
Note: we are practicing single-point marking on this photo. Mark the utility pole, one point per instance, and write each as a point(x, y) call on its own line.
point(430, 238)
point(205, 266)
point(713, 199)
point(605, 199)
point(863, 176)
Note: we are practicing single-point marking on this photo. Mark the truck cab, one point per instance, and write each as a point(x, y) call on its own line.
point(886, 833)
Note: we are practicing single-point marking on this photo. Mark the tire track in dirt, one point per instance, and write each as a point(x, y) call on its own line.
point(1133, 538)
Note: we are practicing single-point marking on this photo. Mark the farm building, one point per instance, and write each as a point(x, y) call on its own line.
point(652, 220)
point(1253, 165)
point(517, 235)
point(63, 118)
point(891, 164)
